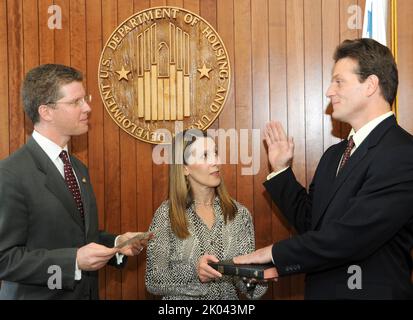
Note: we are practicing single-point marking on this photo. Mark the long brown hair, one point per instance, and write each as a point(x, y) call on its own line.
point(180, 194)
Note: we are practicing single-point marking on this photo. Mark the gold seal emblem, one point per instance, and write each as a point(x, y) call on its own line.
point(163, 65)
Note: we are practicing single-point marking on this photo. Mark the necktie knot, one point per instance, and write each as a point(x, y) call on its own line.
point(350, 143)
point(64, 156)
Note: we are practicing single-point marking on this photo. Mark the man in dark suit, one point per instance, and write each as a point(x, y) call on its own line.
point(50, 245)
point(355, 224)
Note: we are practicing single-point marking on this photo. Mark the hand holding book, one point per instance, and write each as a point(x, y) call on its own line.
point(265, 271)
point(259, 257)
point(205, 272)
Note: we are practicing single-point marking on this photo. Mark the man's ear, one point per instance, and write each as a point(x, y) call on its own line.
point(373, 85)
point(45, 113)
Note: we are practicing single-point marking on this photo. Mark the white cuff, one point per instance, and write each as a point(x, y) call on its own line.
point(119, 256)
point(78, 272)
point(273, 174)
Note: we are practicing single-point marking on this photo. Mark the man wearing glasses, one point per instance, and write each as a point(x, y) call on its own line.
point(50, 245)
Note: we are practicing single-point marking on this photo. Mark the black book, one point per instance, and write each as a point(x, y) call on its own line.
point(257, 271)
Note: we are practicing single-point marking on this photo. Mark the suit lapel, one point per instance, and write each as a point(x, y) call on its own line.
point(331, 189)
point(354, 160)
point(54, 180)
point(327, 182)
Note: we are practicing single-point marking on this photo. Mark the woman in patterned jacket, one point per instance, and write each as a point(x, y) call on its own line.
point(199, 223)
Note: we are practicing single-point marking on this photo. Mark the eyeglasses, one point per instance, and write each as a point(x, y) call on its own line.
point(77, 103)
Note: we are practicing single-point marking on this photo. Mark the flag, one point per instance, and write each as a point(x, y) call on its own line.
point(375, 20)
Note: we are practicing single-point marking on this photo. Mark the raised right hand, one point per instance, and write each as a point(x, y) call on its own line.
point(280, 148)
point(93, 256)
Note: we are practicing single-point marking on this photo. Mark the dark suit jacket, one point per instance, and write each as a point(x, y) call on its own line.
point(40, 227)
point(363, 216)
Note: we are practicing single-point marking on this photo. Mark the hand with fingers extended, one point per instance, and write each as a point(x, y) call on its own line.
point(93, 256)
point(280, 147)
point(205, 272)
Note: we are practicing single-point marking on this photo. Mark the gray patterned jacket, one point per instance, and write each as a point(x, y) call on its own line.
point(171, 262)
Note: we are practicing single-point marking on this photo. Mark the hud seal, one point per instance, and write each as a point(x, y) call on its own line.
point(163, 65)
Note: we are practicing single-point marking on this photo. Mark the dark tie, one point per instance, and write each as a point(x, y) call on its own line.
point(71, 183)
point(347, 153)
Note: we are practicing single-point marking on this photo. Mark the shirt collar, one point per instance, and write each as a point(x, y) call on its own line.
point(49, 147)
point(364, 131)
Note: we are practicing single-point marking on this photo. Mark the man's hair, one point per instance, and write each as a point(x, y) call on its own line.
point(372, 58)
point(42, 85)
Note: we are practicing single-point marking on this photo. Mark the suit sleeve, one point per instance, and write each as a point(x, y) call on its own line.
point(292, 199)
point(107, 239)
point(379, 210)
point(17, 262)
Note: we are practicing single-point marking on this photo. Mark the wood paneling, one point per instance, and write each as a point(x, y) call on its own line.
point(77, 60)
point(15, 72)
point(4, 83)
point(281, 58)
point(31, 48)
point(225, 28)
point(405, 63)
point(242, 80)
point(144, 183)
point(278, 111)
point(112, 149)
point(260, 115)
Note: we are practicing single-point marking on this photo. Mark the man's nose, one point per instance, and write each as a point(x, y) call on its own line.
point(330, 91)
point(87, 108)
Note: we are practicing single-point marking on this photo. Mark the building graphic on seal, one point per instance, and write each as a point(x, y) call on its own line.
point(163, 74)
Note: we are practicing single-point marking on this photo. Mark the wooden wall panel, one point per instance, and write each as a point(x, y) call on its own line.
point(313, 85)
point(225, 28)
point(144, 182)
point(281, 57)
point(46, 35)
point(260, 116)
point(95, 135)
point(112, 162)
point(278, 111)
point(77, 60)
point(15, 72)
point(31, 48)
point(242, 81)
point(331, 37)
point(128, 187)
point(4, 83)
point(405, 63)
point(62, 39)
point(295, 101)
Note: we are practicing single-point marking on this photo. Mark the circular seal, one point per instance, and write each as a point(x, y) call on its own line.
point(164, 68)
